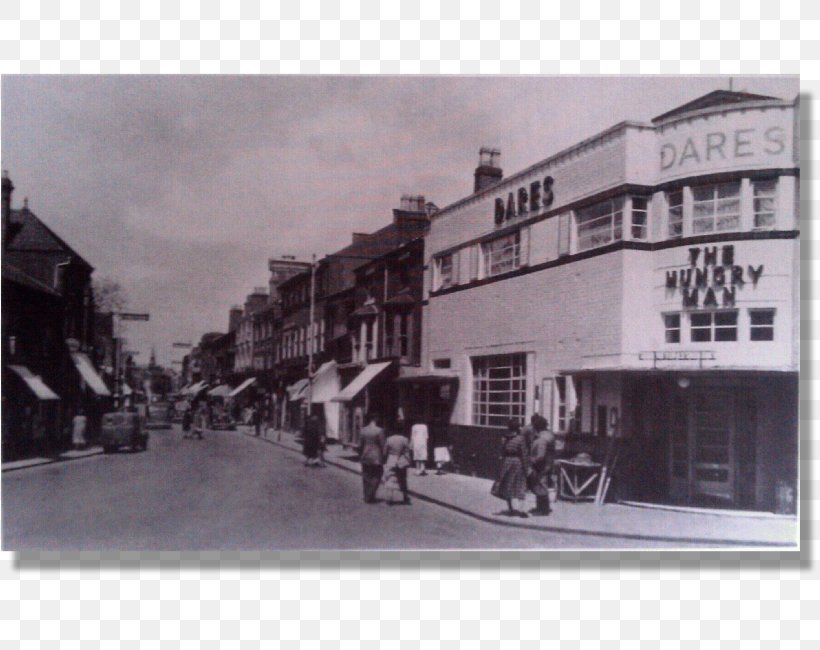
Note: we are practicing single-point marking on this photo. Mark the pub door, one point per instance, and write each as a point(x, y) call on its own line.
point(702, 446)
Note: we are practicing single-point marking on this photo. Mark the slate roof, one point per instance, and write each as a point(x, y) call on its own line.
point(714, 98)
point(27, 233)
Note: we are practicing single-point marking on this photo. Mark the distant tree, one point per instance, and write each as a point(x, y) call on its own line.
point(109, 295)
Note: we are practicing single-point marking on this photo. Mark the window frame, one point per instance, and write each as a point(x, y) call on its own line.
point(772, 196)
point(610, 215)
point(715, 201)
point(672, 329)
point(633, 211)
point(753, 327)
point(489, 254)
point(497, 398)
point(442, 281)
point(674, 209)
point(713, 327)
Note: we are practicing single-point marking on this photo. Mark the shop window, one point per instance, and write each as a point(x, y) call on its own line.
point(499, 389)
point(442, 364)
point(761, 324)
point(639, 217)
point(600, 224)
point(765, 197)
point(718, 326)
point(445, 276)
point(502, 254)
point(672, 325)
point(716, 208)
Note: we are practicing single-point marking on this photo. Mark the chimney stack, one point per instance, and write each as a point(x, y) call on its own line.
point(8, 188)
point(488, 173)
point(360, 237)
point(234, 316)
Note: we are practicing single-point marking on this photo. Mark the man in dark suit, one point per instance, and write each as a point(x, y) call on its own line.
point(371, 456)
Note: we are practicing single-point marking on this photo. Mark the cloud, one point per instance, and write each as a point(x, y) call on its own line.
point(181, 187)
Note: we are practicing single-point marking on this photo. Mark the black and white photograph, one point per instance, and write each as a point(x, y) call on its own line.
point(400, 312)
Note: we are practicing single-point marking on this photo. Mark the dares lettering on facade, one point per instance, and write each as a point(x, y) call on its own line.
point(712, 278)
point(525, 201)
point(720, 146)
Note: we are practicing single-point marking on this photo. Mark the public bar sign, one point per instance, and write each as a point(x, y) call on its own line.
point(712, 277)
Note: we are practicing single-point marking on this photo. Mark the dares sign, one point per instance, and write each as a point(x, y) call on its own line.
point(712, 278)
point(525, 200)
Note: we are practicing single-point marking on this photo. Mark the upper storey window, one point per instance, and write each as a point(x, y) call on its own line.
point(765, 196)
point(600, 224)
point(715, 208)
point(502, 254)
point(675, 221)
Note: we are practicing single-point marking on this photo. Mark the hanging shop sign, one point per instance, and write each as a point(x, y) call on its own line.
point(712, 277)
point(528, 199)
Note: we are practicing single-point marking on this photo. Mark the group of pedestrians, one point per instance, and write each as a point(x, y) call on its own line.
point(195, 419)
point(527, 460)
point(384, 460)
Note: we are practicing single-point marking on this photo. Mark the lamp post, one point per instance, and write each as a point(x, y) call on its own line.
point(312, 336)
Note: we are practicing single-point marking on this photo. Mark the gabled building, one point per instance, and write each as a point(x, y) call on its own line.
point(48, 334)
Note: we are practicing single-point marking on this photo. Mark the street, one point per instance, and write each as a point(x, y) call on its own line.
point(230, 491)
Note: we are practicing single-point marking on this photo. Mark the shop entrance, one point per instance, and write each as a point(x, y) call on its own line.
point(702, 449)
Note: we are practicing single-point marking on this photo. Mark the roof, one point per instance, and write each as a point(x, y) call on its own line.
point(13, 274)
point(714, 98)
point(28, 233)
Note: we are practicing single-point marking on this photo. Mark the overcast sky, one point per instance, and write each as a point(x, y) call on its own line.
point(180, 188)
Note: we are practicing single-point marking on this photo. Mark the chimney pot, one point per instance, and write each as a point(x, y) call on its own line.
point(488, 173)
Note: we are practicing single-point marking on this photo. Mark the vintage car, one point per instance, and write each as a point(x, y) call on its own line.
point(122, 429)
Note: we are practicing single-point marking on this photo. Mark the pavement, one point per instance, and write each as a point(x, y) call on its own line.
point(72, 454)
point(471, 496)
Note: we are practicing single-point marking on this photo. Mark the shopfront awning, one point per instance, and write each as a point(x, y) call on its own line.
point(35, 383)
point(223, 390)
point(241, 387)
point(326, 383)
point(363, 379)
point(296, 391)
point(89, 374)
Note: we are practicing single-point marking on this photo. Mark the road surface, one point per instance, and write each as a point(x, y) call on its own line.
point(232, 492)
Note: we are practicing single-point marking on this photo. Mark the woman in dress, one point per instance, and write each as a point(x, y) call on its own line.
point(512, 483)
point(418, 439)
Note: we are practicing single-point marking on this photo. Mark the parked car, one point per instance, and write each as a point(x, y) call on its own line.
point(123, 429)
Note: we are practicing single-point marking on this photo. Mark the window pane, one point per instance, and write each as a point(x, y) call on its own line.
point(703, 193)
point(762, 316)
point(701, 320)
point(701, 335)
point(726, 318)
point(504, 395)
point(725, 334)
point(728, 190)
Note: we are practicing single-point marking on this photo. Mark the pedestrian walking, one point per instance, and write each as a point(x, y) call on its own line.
point(419, 437)
point(397, 460)
point(78, 427)
point(371, 456)
point(200, 420)
point(512, 482)
point(256, 419)
point(312, 436)
point(542, 459)
point(187, 421)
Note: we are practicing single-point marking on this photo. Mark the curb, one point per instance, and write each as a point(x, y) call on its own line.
point(51, 462)
point(554, 529)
